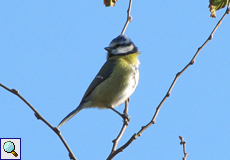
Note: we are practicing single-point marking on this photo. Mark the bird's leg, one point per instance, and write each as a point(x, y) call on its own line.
point(124, 115)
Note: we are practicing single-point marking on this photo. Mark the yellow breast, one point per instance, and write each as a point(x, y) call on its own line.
point(121, 83)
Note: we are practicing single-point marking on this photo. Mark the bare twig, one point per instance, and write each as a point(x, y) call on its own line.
point(115, 151)
point(183, 143)
point(38, 116)
point(129, 18)
point(136, 135)
point(125, 124)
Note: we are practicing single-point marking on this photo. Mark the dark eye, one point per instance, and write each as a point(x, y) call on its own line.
point(116, 46)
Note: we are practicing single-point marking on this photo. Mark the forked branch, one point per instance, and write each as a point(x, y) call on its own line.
point(38, 116)
point(182, 142)
point(115, 151)
point(191, 62)
point(125, 124)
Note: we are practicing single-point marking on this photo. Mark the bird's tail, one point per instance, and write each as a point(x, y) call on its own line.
point(70, 115)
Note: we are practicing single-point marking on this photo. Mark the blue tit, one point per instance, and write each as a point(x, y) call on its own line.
point(116, 80)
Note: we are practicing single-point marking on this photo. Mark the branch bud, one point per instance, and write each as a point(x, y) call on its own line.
point(192, 62)
point(210, 37)
point(15, 91)
point(181, 138)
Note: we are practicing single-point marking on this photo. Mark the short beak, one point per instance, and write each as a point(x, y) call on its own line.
point(107, 49)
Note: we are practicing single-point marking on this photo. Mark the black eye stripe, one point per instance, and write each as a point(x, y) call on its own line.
point(123, 45)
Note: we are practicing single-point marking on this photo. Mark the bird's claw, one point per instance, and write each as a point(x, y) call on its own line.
point(125, 117)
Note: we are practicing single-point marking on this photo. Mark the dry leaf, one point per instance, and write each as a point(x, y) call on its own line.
point(215, 5)
point(110, 3)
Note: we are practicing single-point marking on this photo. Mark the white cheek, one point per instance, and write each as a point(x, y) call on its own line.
point(121, 50)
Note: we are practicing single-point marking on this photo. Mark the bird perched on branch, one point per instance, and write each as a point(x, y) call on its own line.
point(116, 80)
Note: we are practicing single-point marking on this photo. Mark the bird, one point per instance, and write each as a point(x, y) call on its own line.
point(115, 82)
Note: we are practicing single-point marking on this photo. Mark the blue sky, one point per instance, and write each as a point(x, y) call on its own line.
point(51, 50)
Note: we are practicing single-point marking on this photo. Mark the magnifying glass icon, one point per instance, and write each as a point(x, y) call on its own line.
point(9, 147)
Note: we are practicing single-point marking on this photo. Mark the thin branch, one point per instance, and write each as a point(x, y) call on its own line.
point(125, 124)
point(114, 152)
point(136, 135)
point(129, 18)
point(38, 116)
point(184, 151)
point(58, 132)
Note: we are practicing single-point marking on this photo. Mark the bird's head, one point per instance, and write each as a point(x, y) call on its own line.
point(121, 45)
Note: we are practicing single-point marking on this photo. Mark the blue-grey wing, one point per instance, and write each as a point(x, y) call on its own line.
point(105, 71)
